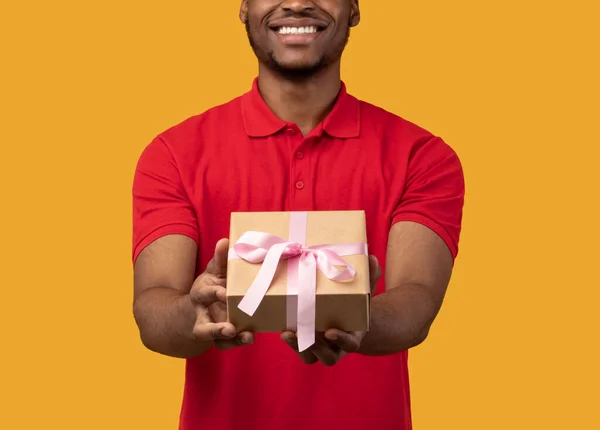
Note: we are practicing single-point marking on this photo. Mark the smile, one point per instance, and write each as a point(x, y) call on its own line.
point(297, 34)
point(298, 30)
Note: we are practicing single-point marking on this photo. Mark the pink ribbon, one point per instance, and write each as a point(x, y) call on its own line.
point(303, 262)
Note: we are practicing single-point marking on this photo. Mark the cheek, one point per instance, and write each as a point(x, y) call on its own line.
point(256, 22)
point(341, 34)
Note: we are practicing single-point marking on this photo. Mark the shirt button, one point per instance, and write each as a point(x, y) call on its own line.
point(290, 131)
point(299, 155)
point(299, 185)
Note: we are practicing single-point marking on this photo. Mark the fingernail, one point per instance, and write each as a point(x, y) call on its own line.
point(332, 336)
point(227, 332)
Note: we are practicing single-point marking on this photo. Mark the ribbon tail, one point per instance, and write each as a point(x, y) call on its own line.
point(262, 282)
point(307, 291)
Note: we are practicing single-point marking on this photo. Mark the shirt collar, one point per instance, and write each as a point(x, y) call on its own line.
point(343, 121)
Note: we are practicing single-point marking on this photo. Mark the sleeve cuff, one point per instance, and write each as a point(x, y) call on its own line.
point(183, 229)
point(432, 225)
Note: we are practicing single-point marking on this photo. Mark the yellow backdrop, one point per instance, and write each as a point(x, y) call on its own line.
point(512, 86)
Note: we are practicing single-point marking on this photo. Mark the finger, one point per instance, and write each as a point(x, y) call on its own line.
point(244, 338)
point(218, 312)
point(324, 352)
point(206, 295)
point(206, 329)
point(333, 346)
point(210, 331)
point(348, 342)
point(289, 338)
point(307, 356)
point(374, 272)
point(217, 266)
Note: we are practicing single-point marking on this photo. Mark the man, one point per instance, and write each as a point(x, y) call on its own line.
point(296, 141)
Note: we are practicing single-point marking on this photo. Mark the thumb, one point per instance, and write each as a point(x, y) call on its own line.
point(374, 272)
point(217, 266)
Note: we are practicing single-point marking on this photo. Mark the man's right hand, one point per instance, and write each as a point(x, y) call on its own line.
point(208, 295)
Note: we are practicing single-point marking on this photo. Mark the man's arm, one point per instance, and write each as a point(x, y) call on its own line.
point(422, 245)
point(178, 315)
point(163, 311)
point(418, 269)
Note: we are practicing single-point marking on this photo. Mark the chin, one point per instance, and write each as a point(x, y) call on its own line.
point(299, 67)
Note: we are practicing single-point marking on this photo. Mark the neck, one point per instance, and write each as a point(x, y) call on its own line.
point(304, 102)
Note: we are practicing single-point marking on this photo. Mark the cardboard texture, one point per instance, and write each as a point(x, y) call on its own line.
point(342, 305)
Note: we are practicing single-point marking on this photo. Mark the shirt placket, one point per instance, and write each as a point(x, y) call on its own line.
point(300, 174)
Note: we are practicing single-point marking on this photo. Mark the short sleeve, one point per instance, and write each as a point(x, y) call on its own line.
point(434, 191)
point(161, 205)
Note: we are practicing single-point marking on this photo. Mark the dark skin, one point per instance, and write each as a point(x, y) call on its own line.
point(418, 269)
point(178, 315)
point(299, 78)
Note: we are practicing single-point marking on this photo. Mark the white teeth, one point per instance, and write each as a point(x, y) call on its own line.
point(297, 30)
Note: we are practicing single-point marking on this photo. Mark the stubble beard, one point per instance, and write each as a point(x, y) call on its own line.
point(294, 73)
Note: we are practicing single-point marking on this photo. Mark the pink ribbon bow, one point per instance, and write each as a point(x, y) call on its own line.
point(303, 262)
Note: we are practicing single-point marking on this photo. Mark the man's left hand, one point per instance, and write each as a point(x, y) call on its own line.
point(331, 346)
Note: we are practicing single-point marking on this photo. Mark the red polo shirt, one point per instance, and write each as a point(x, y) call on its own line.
point(240, 157)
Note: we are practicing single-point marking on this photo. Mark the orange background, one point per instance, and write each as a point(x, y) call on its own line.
point(512, 86)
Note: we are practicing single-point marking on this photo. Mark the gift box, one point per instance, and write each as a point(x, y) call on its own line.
point(301, 271)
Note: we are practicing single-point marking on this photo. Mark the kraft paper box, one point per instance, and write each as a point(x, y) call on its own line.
point(314, 245)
